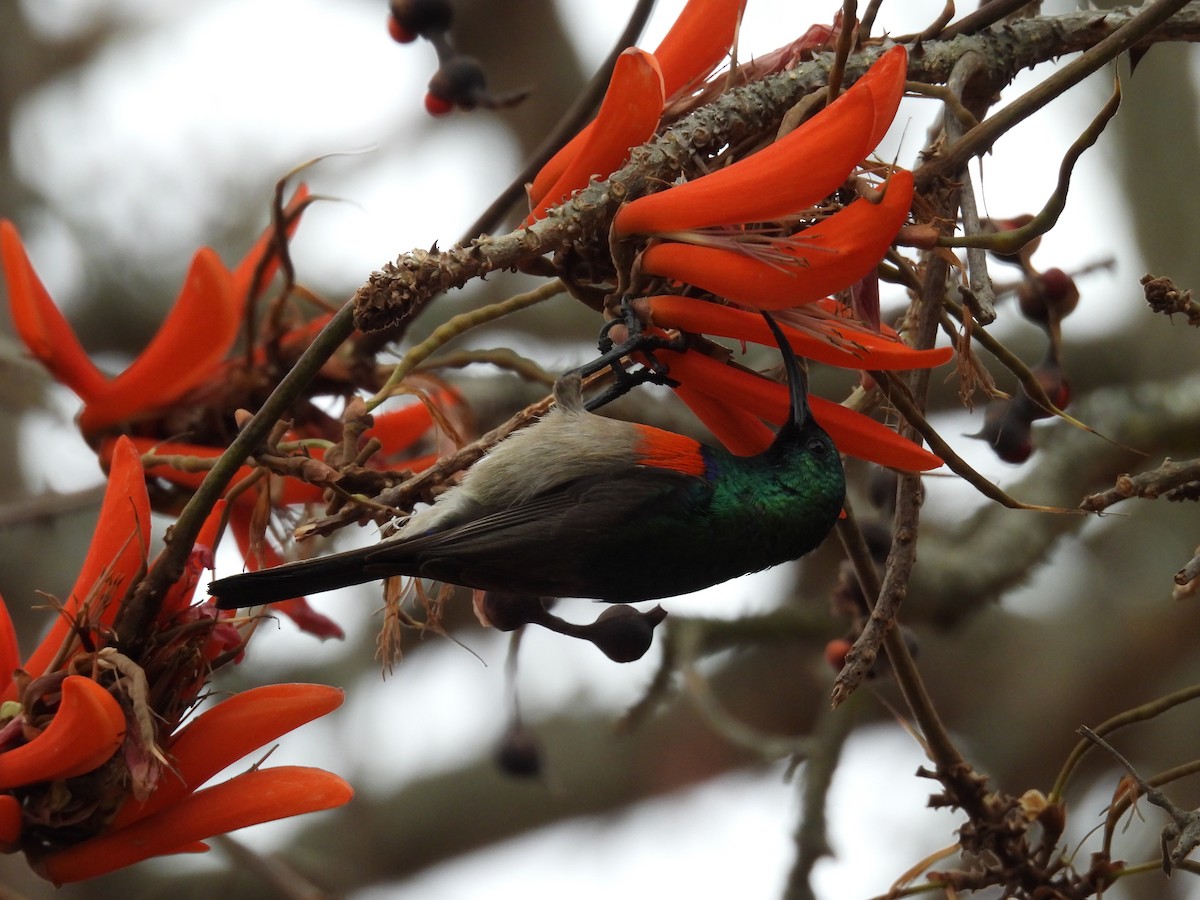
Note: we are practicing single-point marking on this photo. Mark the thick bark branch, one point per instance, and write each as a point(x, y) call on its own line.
point(400, 290)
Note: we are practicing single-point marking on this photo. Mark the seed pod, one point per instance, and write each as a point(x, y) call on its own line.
point(623, 633)
point(508, 612)
point(459, 82)
point(1008, 431)
point(410, 19)
point(519, 753)
point(1048, 297)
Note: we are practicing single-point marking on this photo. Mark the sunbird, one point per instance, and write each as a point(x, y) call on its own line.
point(579, 505)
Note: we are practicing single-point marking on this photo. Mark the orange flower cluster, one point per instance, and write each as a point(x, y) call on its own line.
point(91, 776)
point(715, 233)
point(189, 377)
point(97, 770)
point(640, 85)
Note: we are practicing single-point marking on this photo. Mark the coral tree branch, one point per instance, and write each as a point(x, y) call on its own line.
point(400, 290)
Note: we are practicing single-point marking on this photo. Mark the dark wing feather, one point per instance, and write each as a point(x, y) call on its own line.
point(545, 545)
point(551, 544)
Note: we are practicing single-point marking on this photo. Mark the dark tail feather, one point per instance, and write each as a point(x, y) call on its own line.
point(291, 580)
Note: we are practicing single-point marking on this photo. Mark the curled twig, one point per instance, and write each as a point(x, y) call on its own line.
point(1182, 835)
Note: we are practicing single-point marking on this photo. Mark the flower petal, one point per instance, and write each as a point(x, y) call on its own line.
point(861, 349)
point(852, 432)
point(117, 553)
point(10, 653)
point(85, 732)
point(627, 118)
point(742, 433)
point(885, 81)
point(863, 437)
point(40, 325)
point(195, 336)
point(697, 42)
point(260, 795)
point(813, 263)
point(227, 732)
point(790, 175)
point(707, 386)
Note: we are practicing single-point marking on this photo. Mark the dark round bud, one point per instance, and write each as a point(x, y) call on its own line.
point(508, 612)
point(519, 753)
point(422, 17)
point(1048, 297)
point(460, 82)
point(438, 106)
point(878, 535)
point(1050, 376)
point(399, 33)
point(1008, 432)
point(624, 634)
point(846, 598)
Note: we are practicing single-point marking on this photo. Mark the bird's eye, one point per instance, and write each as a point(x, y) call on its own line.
point(818, 447)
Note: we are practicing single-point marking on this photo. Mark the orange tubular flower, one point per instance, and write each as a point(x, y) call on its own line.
point(695, 45)
point(852, 432)
point(91, 778)
point(85, 732)
point(798, 170)
point(700, 38)
point(114, 560)
point(842, 342)
point(184, 354)
point(176, 815)
point(793, 274)
point(186, 374)
point(167, 369)
point(627, 117)
point(809, 265)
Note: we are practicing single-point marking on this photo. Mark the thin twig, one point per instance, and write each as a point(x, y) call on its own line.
point(1184, 829)
point(988, 14)
point(938, 742)
point(400, 290)
point(1011, 241)
point(845, 44)
point(1149, 485)
point(980, 140)
point(1142, 713)
point(457, 326)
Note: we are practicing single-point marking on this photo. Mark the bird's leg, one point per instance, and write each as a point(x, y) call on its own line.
point(612, 354)
point(622, 633)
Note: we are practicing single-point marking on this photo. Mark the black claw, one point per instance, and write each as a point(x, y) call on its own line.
point(627, 381)
point(612, 354)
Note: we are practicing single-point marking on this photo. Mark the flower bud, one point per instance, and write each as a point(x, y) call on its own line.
point(519, 753)
point(623, 633)
point(459, 82)
point(410, 19)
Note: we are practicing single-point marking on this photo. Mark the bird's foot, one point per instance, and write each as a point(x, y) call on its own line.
point(613, 355)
